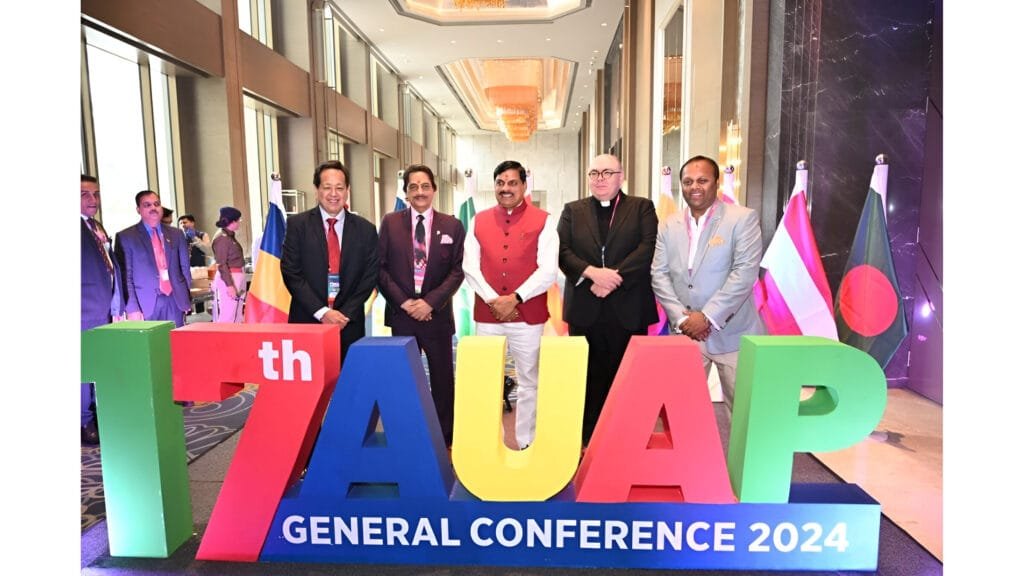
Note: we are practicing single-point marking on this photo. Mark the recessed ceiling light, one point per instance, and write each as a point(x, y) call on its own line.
point(604, 23)
point(595, 51)
point(500, 41)
point(381, 29)
point(451, 41)
point(547, 39)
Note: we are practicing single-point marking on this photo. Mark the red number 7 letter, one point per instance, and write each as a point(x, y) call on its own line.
point(296, 367)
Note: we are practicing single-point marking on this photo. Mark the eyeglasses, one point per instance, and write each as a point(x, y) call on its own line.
point(426, 187)
point(604, 174)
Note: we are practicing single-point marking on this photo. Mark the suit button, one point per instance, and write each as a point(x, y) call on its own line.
point(504, 288)
point(504, 274)
point(690, 286)
point(504, 260)
point(505, 246)
point(506, 233)
point(688, 308)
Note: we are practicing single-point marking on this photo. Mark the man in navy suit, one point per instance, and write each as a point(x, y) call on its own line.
point(330, 281)
point(154, 262)
point(101, 288)
point(420, 270)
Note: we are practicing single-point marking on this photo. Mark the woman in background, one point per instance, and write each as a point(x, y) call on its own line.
point(229, 285)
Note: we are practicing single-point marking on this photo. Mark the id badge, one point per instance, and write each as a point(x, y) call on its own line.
point(333, 285)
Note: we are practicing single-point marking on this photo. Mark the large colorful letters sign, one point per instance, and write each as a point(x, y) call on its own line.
point(653, 489)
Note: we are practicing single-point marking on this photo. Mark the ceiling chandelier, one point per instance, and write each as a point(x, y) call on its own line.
point(463, 4)
point(516, 108)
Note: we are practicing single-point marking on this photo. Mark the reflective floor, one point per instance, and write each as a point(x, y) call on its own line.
point(900, 465)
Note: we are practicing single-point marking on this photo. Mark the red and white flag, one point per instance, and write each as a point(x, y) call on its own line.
point(793, 297)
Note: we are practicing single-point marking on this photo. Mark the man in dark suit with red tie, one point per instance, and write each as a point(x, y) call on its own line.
point(329, 259)
point(101, 289)
point(154, 260)
point(420, 271)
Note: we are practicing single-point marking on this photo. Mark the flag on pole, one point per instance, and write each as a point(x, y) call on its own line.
point(664, 207)
point(400, 201)
point(794, 297)
point(464, 297)
point(869, 309)
point(268, 300)
point(729, 185)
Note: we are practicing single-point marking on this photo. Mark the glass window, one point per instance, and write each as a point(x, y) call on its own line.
point(161, 85)
point(118, 133)
point(261, 157)
point(255, 18)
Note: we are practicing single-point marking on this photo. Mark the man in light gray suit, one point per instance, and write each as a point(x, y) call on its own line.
point(706, 261)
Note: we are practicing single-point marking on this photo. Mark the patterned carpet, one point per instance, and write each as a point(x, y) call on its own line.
point(206, 425)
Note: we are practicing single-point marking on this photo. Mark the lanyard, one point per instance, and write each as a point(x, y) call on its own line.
point(614, 208)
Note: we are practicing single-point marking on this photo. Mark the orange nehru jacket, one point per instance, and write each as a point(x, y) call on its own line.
point(508, 255)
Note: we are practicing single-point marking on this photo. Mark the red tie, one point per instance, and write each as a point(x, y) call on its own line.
point(161, 263)
point(333, 248)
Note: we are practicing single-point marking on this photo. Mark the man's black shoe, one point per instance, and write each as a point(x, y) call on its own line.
point(90, 435)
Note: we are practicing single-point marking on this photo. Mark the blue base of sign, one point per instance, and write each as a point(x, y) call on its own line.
point(823, 527)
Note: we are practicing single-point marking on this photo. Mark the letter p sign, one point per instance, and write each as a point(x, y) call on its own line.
point(770, 422)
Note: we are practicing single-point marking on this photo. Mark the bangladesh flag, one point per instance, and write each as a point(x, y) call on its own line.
point(869, 309)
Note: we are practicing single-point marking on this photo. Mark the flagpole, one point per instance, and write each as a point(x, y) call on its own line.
point(883, 160)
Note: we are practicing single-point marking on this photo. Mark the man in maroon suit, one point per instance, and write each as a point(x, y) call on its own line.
point(420, 270)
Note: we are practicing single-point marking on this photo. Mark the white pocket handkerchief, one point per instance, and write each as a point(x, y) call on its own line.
point(446, 239)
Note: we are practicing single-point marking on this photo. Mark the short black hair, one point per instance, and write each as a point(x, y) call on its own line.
point(699, 158)
point(87, 178)
point(188, 217)
point(418, 168)
point(510, 165)
point(168, 212)
point(138, 197)
point(330, 165)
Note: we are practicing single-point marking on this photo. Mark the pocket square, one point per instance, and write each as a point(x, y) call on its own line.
point(446, 239)
point(715, 241)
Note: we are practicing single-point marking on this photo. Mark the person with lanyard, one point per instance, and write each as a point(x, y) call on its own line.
point(606, 248)
point(706, 261)
point(101, 290)
point(154, 262)
point(229, 285)
point(420, 271)
point(511, 259)
point(329, 259)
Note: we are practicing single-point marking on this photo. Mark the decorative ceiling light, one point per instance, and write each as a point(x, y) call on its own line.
point(514, 96)
point(463, 4)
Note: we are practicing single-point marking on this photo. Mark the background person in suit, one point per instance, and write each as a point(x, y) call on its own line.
point(200, 244)
point(706, 261)
point(154, 263)
point(420, 270)
point(330, 281)
point(101, 289)
point(606, 248)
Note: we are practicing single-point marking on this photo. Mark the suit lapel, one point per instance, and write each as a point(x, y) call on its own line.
point(147, 243)
point(710, 229)
point(316, 223)
point(590, 219)
point(620, 214)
